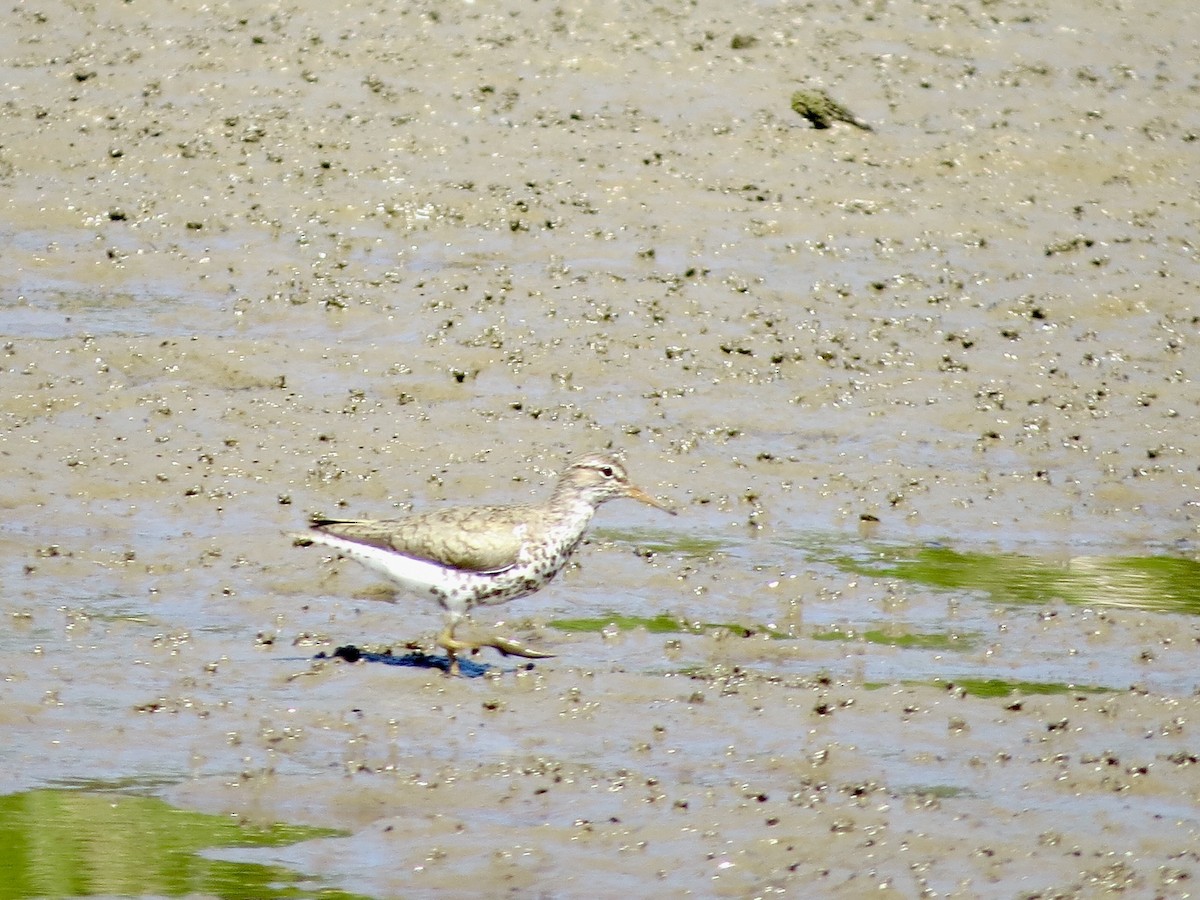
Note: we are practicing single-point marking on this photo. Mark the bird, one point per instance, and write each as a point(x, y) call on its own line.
point(822, 110)
point(465, 557)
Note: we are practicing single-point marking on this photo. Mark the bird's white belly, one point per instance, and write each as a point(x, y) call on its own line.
point(451, 588)
point(414, 574)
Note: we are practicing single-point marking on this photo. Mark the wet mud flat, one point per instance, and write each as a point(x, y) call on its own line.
point(612, 770)
point(923, 396)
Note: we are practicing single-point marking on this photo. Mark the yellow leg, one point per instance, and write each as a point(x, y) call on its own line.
point(452, 646)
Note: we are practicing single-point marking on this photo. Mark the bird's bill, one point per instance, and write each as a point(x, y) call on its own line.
point(636, 493)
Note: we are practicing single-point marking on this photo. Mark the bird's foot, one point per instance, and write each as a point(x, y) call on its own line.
point(480, 639)
point(511, 647)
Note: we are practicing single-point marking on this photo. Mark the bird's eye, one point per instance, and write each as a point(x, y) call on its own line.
point(606, 471)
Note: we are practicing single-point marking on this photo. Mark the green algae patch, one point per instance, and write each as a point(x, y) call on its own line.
point(1001, 687)
point(935, 791)
point(85, 843)
point(660, 624)
point(1162, 583)
point(952, 641)
point(661, 541)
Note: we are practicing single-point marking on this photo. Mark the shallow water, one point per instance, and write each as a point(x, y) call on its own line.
point(90, 841)
point(923, 397)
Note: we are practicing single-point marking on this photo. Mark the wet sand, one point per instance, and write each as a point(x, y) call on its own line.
point(264, 262)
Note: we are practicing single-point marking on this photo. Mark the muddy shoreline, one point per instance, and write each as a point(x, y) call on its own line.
point(923, 395)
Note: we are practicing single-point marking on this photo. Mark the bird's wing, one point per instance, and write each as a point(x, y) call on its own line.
point(475, 539)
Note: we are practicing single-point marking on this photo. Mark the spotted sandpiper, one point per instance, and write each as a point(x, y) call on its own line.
point(464, 557)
